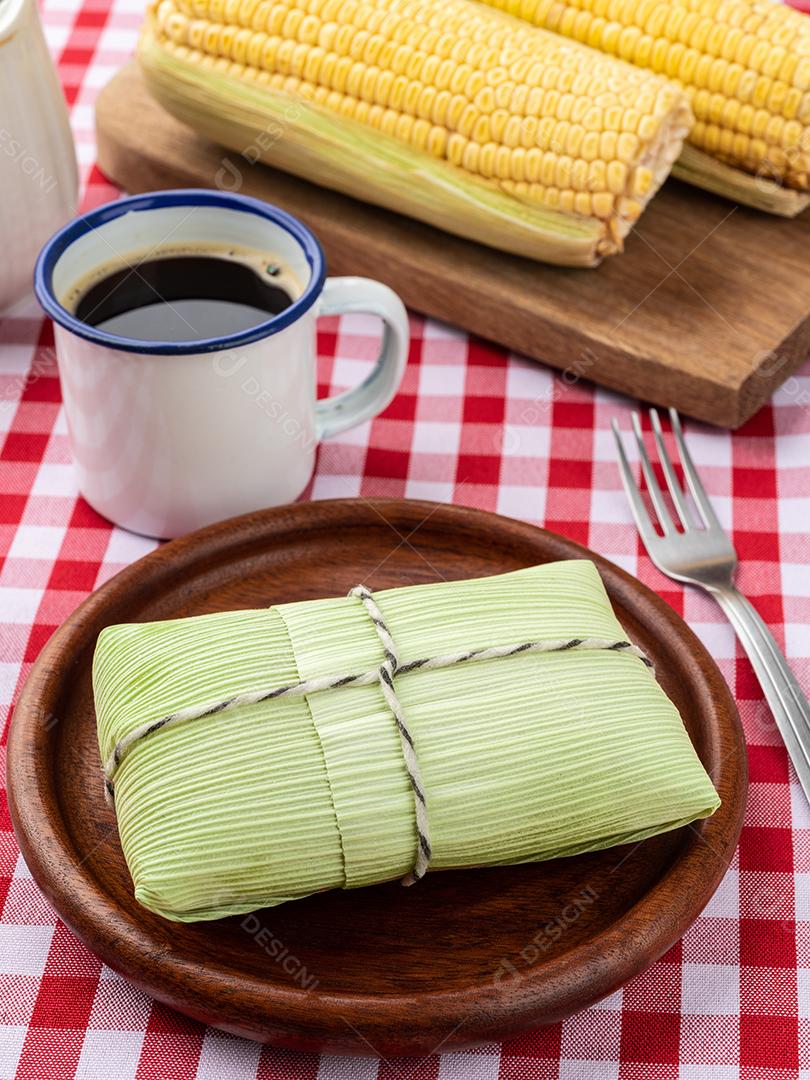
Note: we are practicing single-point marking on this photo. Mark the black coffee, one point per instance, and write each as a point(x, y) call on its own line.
point(184, 298)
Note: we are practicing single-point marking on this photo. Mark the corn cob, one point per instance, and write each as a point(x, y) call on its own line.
point(745, 65)
point(441, 109)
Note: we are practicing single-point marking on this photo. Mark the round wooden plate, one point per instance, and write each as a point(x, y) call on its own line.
point(464, 956)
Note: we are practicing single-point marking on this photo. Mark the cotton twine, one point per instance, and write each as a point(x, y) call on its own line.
point(384, 675)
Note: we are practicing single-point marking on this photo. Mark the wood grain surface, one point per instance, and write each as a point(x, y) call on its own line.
point(464, 956)
point(708, 309)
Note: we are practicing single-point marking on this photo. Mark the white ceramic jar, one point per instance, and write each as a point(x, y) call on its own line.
point(38, 174)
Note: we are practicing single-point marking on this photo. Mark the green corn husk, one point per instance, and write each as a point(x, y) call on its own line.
point(759, 192)
point(523, 758)
point(303, 139)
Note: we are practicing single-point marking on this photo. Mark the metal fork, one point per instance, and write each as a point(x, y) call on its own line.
point(703, 555)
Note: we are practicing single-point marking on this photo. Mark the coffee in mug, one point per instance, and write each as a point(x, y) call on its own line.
point(185, 326)
point(184, 294)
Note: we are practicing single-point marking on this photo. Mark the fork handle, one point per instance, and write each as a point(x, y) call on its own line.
point(790, 707)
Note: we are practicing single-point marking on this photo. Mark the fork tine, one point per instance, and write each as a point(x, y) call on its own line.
point(706, 509)
point(656, 496)
point(642, 518)
point(675, 489)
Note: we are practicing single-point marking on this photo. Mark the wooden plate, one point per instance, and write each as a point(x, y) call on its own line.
point(463, 957)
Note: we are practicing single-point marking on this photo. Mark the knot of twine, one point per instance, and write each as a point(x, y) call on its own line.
point(384, 675)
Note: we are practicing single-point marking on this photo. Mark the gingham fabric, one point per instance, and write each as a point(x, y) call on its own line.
point(472, 425)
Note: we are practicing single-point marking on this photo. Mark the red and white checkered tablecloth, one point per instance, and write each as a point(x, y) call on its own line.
point(473, 425)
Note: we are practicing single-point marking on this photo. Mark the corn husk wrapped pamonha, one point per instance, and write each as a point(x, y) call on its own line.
point(522, 758)
point(445, 110)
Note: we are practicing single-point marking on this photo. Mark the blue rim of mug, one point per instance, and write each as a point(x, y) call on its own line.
point(61, 241)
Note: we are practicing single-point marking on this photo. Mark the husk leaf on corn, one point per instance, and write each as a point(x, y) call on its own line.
point(340, 154)
point(450, 112)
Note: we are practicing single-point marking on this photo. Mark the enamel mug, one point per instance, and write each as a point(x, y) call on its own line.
point(170, 436)
point(38, 176)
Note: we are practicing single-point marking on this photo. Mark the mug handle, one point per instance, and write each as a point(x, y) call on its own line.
point(347, 295)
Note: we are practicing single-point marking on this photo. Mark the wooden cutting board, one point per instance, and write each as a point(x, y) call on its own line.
point(708, 309)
